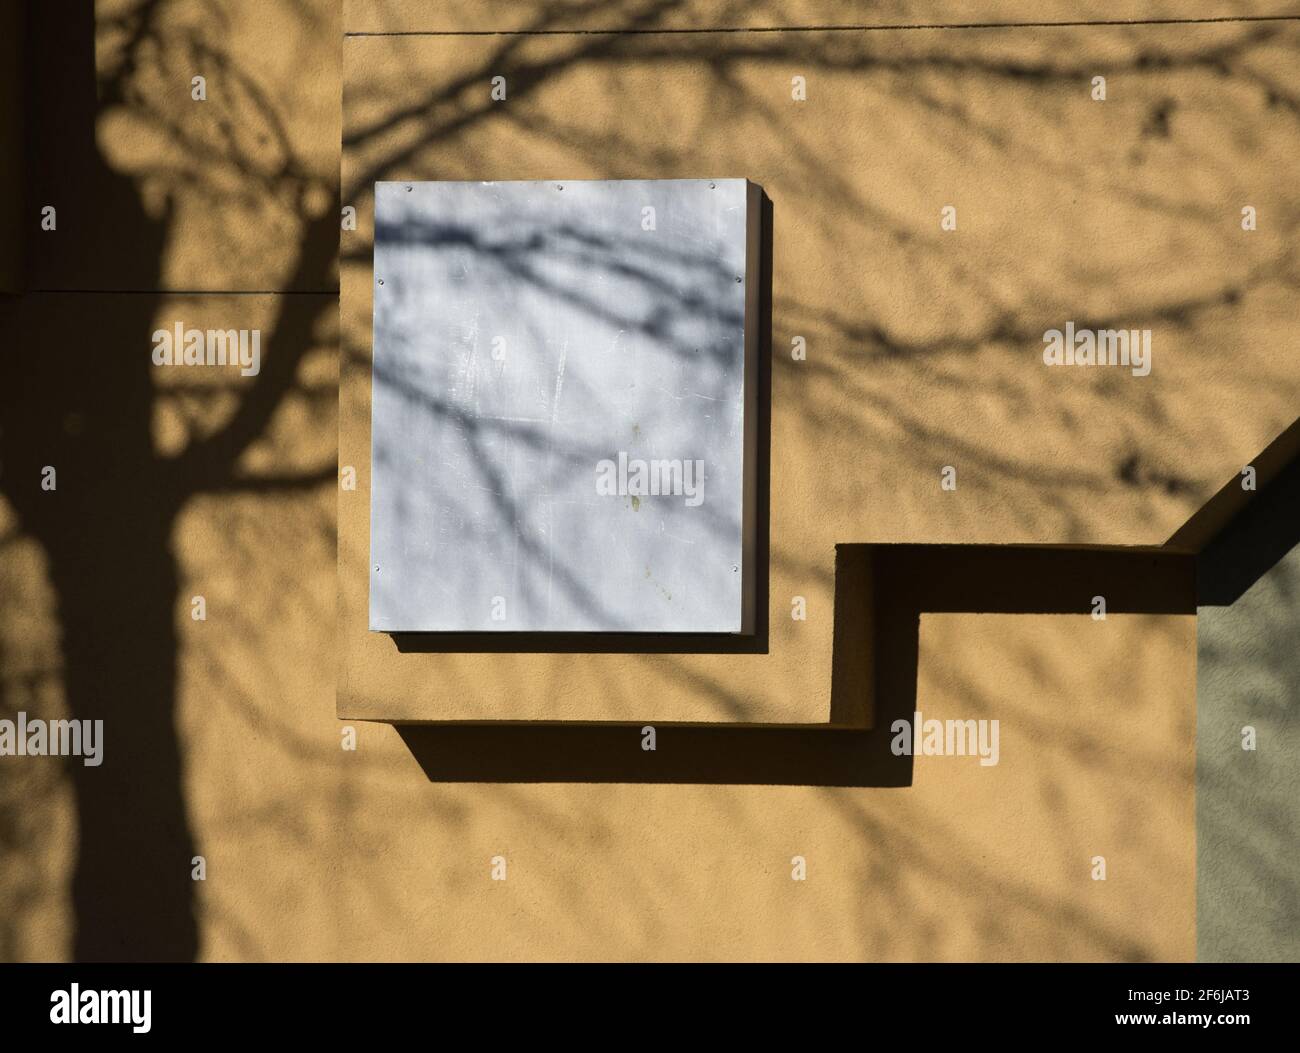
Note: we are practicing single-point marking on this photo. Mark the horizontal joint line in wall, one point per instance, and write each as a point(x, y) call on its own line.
point(186, 292)
point(1068, 24)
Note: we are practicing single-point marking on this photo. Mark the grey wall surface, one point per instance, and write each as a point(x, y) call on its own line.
point(1248, 803)
point(523, 333)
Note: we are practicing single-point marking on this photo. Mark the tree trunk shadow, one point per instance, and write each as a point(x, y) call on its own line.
point(82, 404)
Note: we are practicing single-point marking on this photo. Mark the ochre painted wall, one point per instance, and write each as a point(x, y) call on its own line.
point(924, 345)
point(923, 351)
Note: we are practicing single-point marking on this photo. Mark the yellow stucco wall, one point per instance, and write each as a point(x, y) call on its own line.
point(923, 351)
point(924, 345)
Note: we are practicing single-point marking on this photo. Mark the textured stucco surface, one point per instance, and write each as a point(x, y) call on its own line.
point(922, 352)
point(924, 346)
point(396, 16)
point(237, 179)
point(12, 206)
point(1248, 801)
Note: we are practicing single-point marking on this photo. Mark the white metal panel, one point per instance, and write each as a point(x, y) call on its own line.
point(524, 333)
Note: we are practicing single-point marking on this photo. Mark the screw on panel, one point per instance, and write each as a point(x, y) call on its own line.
point(381, 281)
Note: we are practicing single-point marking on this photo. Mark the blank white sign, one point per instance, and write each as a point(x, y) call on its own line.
point(563, 406)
